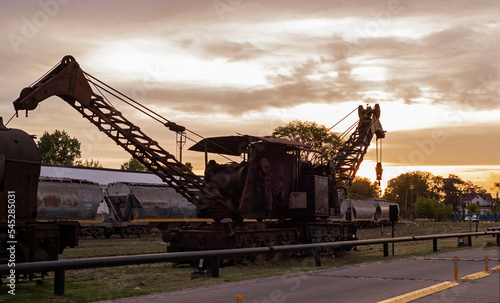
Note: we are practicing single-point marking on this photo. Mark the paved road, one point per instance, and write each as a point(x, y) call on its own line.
point(369, 282)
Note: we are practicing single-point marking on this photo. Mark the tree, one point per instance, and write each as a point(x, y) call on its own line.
point(425, 208)
point(453, 187)
point(431, 208)
point(363, 188)
point(317, 137)
point(495, 209)
point(189, 165)
point(471, 188)
point(58, 148)
point(406, 188)
point(134, 165)
point(92, 163)
point(473, 209)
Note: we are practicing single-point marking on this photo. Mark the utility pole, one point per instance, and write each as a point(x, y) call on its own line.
point(180, 138)
point(406, 204)
point(411, 195)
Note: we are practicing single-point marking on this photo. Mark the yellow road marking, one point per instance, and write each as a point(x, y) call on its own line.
point(496, 268)
point(421, 293)
point(475, 276)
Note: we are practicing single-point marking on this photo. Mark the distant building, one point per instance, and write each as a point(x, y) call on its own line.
point(484, 201)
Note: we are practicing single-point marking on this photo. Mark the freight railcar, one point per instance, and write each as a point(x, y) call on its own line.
point(71, 199)
point(146, 206)
point(384, 205)
point(368, 213)
point(134, 208)
point(63, 198)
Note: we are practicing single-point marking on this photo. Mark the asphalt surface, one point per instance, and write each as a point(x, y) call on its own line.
point(369, 282)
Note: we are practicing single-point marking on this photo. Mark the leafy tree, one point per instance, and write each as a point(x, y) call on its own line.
point(189, 165)
point(443, 212)
point(406, 188)
point(134, 165)
point(453, 186)
point(495, 209)
point(87, 163)
point(472, 209)
point(431, 208)
point(363, 188)
point(59, 148)
point(469, 188)
point(310, 133)
point(425, 208)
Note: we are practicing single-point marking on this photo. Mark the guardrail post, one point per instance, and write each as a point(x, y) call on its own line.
point(455, 268)
point(215, 266)
point(469, 238)
point(59, 281)
point(317, 257)
point(486, 264)
point(434, 245)
point(386, 249)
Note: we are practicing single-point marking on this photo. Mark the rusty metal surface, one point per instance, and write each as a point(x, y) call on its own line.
point(70, 199)
point(146, 201)
point(66, 80)
point(236, 145)
point(298, 200)
point(230, 235)
point(20, 169)
point(321, 196)
point(257, 234)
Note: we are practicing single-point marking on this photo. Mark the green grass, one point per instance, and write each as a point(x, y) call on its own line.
point(93, 248)
point(125, 281)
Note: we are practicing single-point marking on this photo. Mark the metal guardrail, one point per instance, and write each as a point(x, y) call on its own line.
point(60, 267)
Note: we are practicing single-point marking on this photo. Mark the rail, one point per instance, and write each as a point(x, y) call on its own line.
point(60, 267)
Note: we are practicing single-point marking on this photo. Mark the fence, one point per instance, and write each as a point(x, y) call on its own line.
point(60, 267)
point(464, 217)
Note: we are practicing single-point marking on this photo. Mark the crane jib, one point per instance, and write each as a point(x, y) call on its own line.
point(68, 82)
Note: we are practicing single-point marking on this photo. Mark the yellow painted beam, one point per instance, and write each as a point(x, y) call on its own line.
point(421, 293)
point(475, 276)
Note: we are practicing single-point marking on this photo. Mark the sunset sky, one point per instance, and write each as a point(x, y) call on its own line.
point(225, 67)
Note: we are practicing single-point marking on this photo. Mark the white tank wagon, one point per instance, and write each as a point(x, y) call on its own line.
point(148, 203)
point(359, 210)
point(383, 205)
point(67, 199)
point(366, 213)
